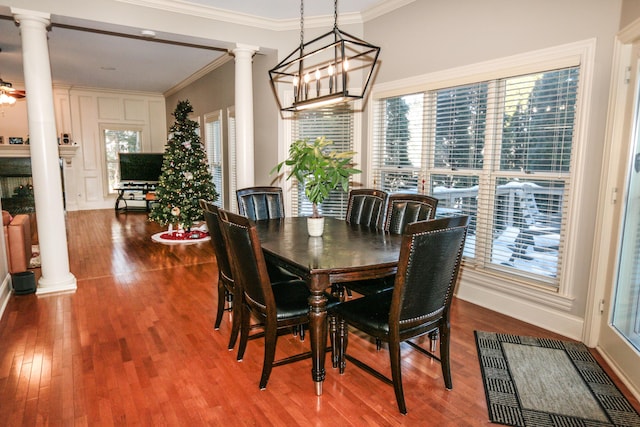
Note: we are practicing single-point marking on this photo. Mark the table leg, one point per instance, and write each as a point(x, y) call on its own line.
point(318, 328)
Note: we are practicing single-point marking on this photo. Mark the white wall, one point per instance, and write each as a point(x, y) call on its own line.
point(91, 109)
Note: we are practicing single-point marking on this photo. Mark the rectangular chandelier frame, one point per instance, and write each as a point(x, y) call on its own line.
point(326, 71)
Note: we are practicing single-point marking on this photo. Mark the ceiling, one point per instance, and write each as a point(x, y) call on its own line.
point(84, 56)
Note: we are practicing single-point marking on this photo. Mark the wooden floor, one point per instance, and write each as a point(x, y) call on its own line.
point(135, 345)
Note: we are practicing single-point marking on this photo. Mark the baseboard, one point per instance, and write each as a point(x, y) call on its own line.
point(557, 321)
point(620, 374)
point(5, 293)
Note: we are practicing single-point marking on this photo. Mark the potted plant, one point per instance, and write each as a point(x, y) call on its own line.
point(321, 170)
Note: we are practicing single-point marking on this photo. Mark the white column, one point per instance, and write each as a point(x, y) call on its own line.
point(244, 115)
point(45, 163)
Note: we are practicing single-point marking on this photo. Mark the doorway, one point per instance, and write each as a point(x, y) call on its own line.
point(618, 254)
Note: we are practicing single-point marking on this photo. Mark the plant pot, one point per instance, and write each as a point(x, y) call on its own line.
point(315, 226)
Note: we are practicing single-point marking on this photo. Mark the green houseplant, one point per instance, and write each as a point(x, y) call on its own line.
point(320, 168)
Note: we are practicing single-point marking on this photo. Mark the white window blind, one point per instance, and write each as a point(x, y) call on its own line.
point(213, 143)
point(336, 124)
point(231, 143)
point(499, 151)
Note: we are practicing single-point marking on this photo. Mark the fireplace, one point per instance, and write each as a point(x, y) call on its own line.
point(16, 185)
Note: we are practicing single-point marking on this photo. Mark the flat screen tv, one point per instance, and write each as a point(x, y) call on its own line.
point(140, 167)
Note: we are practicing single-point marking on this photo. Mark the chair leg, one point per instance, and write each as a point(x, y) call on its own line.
point(270, 339)
point(343, 342)
point(229, 301)
point(333, 336)
point(298, 330)
point(245, 321)
point(396, 374)
point(444, 357)
point(433, 340)
point(378, 344)
point(222, 297)
point(236, 321)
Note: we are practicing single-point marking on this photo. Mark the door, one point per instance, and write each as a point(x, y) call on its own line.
point(620, 326)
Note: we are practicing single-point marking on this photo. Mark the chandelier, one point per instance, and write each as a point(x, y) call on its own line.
point(9, 95)
point(333, 68)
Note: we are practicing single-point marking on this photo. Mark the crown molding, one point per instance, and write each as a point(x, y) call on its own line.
point(219, 62)
point(383, 8)
point(188, 8)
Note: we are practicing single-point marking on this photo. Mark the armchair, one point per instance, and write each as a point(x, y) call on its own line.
point(17, 237)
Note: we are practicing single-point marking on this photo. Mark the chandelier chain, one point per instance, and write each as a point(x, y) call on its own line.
point(335, 14)
point(301, 23)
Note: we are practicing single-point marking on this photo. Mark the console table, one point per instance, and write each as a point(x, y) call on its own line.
point(135, 191)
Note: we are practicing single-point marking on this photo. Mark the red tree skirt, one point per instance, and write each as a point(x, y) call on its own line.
point(193, 236)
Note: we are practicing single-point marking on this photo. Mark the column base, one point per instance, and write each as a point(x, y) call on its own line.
point(66, 284)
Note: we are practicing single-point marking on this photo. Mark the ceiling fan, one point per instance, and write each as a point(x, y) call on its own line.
point(9, 95)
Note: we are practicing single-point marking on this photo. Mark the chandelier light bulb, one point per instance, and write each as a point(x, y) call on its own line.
point(330, 71)
point(345, 65)
point(306, 85)
point(318, 75)
point(6, 99)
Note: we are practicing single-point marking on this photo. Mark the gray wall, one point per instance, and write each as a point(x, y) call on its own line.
point(630, 12)
point(216, 91)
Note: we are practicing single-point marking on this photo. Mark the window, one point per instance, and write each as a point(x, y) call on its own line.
point(213, 144)
point(335, 124)
point(497, 150)
point(119, 140)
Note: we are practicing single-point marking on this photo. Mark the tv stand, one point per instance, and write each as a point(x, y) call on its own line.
point(135, 192)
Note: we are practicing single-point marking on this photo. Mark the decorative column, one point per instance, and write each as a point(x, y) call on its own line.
point(244, 115)
point(45, 161)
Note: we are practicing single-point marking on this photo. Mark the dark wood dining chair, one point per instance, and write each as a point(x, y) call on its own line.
point(258, 203)
point(419, 303)
point(226, 287)
point(401, 210)
point(366, 206)
point(277, 306)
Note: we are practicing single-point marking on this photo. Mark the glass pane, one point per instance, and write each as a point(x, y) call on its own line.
point(458, 195)
point(539, 112)
point(626, 308)
point(460, 127)
point(399, 181)
point(527, 225)
point(336, 125)
point(119, 141)
point(403, 131)
point(213, 136)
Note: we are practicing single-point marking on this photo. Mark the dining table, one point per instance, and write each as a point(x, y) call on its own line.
point(343, 253)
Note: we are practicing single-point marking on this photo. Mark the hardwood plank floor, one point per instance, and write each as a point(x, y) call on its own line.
point(135, 345)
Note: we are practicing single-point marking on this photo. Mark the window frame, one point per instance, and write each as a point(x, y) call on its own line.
point(209, 119)
point(105, 161)
point(479, 281)
point(289, 185)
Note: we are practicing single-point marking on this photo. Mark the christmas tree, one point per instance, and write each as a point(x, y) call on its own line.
point(185, 177)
